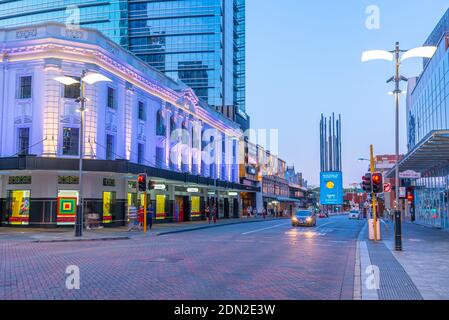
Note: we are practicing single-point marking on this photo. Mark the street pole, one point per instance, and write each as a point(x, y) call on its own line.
point(398, 215)
point(80, 212)
point(373, 195)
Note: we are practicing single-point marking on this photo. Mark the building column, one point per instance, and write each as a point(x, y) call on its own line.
point(196, 148)
point(171, 201)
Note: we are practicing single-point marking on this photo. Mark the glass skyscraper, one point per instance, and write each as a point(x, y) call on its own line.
point(200, 42)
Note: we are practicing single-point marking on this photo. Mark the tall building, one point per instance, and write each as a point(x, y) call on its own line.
point(200, 42)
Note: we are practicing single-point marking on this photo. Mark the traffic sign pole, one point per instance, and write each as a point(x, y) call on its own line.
point(373, 194)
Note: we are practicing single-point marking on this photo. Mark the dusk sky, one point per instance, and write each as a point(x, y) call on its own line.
point(303, 59)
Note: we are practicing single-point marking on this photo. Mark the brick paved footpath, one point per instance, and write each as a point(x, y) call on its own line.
point(420, 271)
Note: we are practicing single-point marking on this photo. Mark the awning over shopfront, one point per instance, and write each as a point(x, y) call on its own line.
point(431, 152)
point(286, 199)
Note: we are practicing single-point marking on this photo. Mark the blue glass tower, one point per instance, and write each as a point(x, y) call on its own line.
point(200, 42)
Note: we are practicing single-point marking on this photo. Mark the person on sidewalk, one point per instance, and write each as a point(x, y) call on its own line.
point(207, 213)
point(150, 214)
point(215, 214)
point(132, 216)
point(264, 213)
point(140, 217)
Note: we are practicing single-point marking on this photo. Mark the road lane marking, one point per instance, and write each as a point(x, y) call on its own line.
point(263, 229)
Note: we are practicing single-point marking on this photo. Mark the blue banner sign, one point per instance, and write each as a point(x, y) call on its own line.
point(331, 188)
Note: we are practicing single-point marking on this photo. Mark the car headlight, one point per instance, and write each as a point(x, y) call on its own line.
point(295, 219)
point(309, 219)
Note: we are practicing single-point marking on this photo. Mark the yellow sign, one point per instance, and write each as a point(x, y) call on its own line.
point(20, 207)
point(195, 212)
point(160, 207)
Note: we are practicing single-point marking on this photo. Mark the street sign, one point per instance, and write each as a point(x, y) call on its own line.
point(387, 187)
point(410, 174)
point(402, 192)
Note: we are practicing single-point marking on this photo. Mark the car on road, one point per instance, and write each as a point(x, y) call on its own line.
point(304, 218)
point(354, 214)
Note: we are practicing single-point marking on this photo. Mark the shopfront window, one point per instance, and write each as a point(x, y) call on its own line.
point(66, 207)
point(108, 206)
point(19, 212)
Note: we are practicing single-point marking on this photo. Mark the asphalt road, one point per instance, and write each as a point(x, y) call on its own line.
point(261, 261)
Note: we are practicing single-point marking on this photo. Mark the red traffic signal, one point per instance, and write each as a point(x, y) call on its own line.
point(377, 181)
point(142, 182)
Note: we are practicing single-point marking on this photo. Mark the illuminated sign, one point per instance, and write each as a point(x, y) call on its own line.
point(193, 190)
point(108, 182)
point(233, 194)
point(331, 188)
point(19, 180)
point(160, 187)
point(68, 180)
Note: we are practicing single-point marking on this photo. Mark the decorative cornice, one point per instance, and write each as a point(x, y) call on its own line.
point(69, 50)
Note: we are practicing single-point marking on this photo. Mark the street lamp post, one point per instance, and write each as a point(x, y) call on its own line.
point(89, 78)
point(420, 52)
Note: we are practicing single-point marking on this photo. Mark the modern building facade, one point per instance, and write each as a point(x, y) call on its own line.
point(428, 134)
point(198, 42)
point(141, 122)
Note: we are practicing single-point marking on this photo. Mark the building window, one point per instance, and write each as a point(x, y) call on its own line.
point(140, 153)
point(24, 141)
point(25, 87)
point(73, 91)
point(111, 98)
point(70, 141)
point(160, 125)
point(110, 147)
point(142, 115)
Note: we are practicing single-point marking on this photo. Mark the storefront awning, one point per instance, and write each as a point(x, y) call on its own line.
point(286, 199)
point(431, 152)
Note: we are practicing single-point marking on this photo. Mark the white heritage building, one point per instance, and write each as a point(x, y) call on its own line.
point(141, 122)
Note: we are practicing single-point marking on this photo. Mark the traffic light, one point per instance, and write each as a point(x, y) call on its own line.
point(378, 185)
point(142, 182)
point(366, 184)
point(410, 195)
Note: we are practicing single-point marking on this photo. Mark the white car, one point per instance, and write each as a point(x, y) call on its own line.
point(354, 214)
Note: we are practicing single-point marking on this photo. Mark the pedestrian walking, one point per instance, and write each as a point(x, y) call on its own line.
point(215, 214)
point(255, 213)
point(150, 214)
point(132, 216)
point(264, 213)
point(207, 214)
point(140, 217)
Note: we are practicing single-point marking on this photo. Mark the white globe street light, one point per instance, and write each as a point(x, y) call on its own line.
point(89, 78)
point(395, 55)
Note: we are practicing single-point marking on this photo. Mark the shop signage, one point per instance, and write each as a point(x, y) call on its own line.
point(19, 180)
point(251, 170)
point(233, 194)
point(107, 182)
point(160, 187)
point(68, 180)
point(193, 190)
point(410, 174)
point(402, 192)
